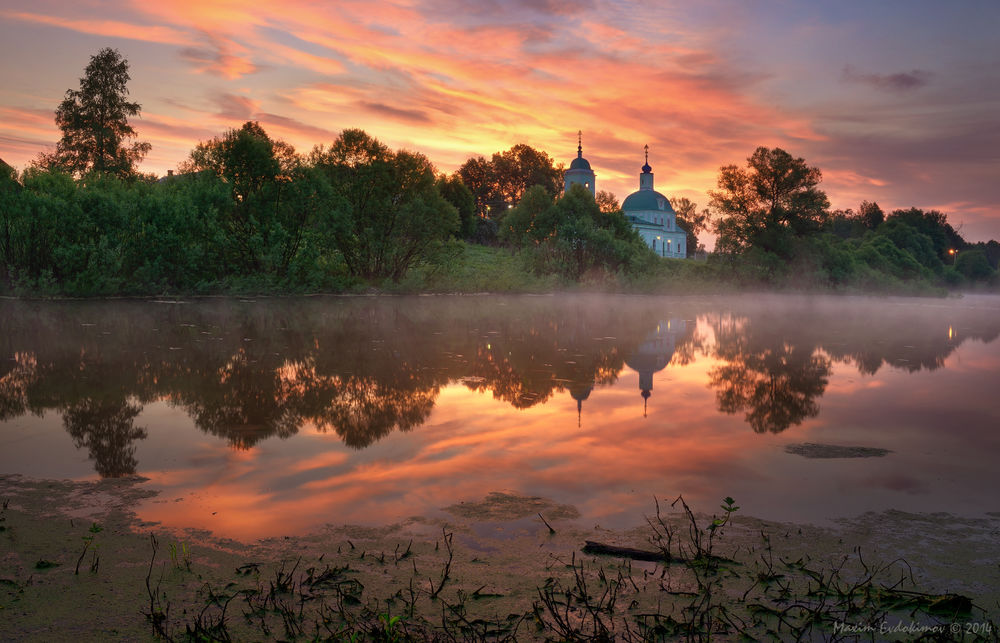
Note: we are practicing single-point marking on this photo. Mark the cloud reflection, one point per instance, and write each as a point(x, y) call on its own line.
point(274, 415)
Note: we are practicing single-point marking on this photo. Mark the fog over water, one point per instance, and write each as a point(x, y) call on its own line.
point(276, 416)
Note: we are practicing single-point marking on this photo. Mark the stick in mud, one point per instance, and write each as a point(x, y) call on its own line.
point(602, 549)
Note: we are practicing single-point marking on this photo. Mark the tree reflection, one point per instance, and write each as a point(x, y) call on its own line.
point(363, 410)
point(361, 368)
point(15, 383)
point(771, 372)
point(529, 359)
point(776, 387)
point(245, 403)
point(106, 428)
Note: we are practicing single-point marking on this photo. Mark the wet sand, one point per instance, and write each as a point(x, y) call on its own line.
point(501, 553)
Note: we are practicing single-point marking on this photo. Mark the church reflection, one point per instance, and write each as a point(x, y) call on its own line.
point(360, 369)
point(654, 353)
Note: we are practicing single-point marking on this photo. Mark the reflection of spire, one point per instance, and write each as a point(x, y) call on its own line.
point(645, 401)
point(580, 394)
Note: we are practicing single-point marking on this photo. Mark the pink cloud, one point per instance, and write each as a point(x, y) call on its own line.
point(455, 84)
point(110, 28)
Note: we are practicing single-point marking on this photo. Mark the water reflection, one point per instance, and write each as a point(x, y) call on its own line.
point(106, 428)
point(654, 353)
point(21, 372)
point(774, 378)
point(363, 368)
point(244, 401)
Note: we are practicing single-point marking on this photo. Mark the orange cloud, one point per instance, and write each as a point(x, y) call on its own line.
point(110, 28)
point(24, 133)
point(457, 83)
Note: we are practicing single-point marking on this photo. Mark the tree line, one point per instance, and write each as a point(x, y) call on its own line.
point(773, 220)
point(246, 211)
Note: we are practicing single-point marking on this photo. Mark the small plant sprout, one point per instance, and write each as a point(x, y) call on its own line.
point(88, 540)
point(730, 507)
point(180, 556)
point(389, 624)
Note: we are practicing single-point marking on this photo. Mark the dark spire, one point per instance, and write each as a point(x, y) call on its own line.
point(645, 168)
point(579, 144)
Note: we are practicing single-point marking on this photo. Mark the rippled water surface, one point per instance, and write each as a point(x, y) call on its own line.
point(270, 417)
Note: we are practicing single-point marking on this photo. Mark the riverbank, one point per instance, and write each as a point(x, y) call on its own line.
point(75, 562)
point(472, 268)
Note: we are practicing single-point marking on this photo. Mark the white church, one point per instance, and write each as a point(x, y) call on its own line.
point(647, 210)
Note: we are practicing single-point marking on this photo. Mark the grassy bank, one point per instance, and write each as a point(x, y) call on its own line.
point(474, 268)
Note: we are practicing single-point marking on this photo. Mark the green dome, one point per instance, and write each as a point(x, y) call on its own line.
point(646, 200)
point(580, 163)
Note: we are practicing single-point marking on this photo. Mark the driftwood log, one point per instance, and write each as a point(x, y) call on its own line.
point(602, 549)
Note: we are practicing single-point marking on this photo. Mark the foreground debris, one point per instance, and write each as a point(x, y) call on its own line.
point(698, 578)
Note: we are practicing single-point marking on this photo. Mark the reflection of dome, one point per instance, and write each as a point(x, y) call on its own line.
point(654, 353)
point(581, 392)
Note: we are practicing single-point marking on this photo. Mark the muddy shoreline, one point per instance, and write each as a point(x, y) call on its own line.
point(74, 560)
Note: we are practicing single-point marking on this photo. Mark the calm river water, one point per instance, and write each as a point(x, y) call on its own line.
point(276, 416)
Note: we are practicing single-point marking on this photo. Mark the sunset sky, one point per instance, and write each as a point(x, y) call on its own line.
point(896, 101)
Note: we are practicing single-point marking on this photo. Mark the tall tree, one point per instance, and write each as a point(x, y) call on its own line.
point(932, 224)
point(477, 175)
point(8, 178)
point(499, 183)
point(774, 198)
point(395, 215)
point(456, 193)
point(870, 214)
point(94, 122)
point(522, 167)
point(275, 200)
point(607, 202)
point(690, 221)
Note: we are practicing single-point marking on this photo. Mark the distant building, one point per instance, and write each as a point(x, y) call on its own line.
point(647, 210)
point(654, 219)
point(579, 172)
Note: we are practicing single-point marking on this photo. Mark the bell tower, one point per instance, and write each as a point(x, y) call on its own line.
point(579, 172)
